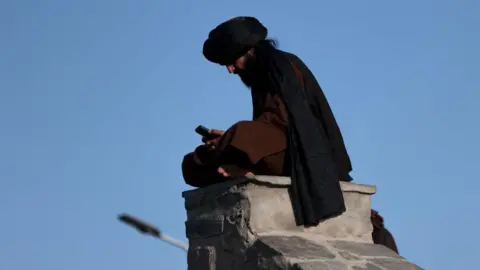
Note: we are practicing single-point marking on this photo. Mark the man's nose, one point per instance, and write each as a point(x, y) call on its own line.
point(231, 68)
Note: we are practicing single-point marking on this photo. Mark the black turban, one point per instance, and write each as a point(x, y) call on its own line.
point(232, 39)
point(316, 193)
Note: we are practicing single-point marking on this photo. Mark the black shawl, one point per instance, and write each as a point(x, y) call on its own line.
point(316, 193)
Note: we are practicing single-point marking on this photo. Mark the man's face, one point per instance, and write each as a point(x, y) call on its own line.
point(243, 67)
point(239, 65)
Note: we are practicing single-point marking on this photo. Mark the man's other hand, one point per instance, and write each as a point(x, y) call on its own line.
point(213, 137)
point(233, 171)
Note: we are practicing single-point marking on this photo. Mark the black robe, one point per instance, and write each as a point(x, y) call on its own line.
point(316, 158)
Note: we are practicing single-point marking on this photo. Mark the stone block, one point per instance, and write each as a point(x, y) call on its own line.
point(202, 258)
point(248, 223)
point(264, 205)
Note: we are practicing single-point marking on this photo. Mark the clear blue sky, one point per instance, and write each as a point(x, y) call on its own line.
point(99, 99)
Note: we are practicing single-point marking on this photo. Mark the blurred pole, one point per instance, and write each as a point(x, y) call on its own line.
point(151, 230)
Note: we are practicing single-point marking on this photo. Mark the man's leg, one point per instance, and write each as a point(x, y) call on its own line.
point(199, 175)
point(271, 165)
point(228, 162)
point(234, 163)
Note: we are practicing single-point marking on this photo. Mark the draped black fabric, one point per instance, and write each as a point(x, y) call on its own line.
point(322, 111)
point(316, 192)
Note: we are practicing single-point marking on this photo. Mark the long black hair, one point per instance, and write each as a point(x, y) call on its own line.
point(269, 42)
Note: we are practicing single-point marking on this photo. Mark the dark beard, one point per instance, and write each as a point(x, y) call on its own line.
point(247, 79)
point(249, 75)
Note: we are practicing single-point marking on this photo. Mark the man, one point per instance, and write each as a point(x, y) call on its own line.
point(293, 131)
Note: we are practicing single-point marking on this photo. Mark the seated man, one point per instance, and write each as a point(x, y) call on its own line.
point(293, 131)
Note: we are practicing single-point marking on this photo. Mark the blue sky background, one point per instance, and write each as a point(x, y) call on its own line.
point(99, 99)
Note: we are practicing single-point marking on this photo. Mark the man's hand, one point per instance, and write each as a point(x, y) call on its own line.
point(233, 171)
point(213, 137)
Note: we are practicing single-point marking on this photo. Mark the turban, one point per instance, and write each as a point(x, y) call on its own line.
point(232, 39)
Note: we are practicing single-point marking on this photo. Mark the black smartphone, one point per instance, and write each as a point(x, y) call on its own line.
point(202, 131)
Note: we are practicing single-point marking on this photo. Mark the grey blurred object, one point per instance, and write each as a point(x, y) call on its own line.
point(151, 230)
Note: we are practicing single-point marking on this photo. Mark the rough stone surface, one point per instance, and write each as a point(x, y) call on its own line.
point(297, 247)
point(327, 265)
point(368, 266)
point(364, 249)
point(395, 264)
point(348, 256)
point(248, 224)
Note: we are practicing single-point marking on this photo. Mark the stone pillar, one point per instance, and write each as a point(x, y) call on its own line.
point(248, 223)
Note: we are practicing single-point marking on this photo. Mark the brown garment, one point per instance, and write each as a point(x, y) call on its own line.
point(380, 234)
point(258, 145)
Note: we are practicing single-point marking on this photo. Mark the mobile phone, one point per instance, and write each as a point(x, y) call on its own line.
point(202, 131)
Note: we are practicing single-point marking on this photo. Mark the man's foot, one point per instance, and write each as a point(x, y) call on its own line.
point(233, 171)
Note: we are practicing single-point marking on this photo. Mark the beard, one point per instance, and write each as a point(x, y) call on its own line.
point(249, 75)
point(247, 79)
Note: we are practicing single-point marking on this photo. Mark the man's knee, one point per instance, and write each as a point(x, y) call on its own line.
point(198, 175)
point(190, 170)
point(271, 165)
